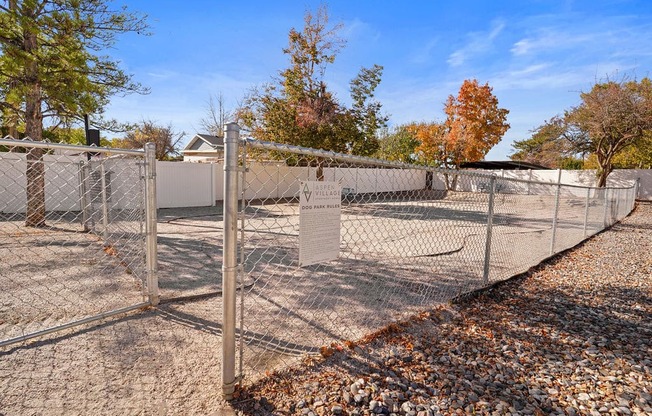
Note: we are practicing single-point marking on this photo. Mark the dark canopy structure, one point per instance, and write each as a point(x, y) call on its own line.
point(506, 165)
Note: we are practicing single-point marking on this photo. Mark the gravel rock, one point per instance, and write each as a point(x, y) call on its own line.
point(571, 337)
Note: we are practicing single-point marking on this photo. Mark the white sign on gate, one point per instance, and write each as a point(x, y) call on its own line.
point(319, 221)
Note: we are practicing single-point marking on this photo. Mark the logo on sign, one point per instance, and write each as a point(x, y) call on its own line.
point(306, 191)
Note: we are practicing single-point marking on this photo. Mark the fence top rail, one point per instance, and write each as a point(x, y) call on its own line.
point(258, 144)
point(8, 141)
point(362, 160)
point(565, 185)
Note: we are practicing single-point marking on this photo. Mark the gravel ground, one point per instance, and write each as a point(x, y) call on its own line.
point(572, 336)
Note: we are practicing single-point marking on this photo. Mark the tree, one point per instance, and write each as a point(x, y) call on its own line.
point(474, 124)
point(612, 117)
point(636, 156)
point(431, 149)
point(299, 109)
point(216, 116)
point(51, 67)
point(398, 145)
point(166, 139)
point(549, 146)
point(366, 111)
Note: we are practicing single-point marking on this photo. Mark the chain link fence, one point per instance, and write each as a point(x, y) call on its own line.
point(74, 240)
point(407, 237)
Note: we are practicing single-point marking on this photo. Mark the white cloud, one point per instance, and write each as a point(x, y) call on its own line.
point(162, 74)
point(522, 47)
point(356, 30)
point(479, 42)
point(550, 40)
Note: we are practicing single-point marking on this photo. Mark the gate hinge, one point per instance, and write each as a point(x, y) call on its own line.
point(236, 169)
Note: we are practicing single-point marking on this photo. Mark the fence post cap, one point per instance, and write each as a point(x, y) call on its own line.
point(233, 126)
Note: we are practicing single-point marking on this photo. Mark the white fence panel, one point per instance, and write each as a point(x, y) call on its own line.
point(623, 176)
point(13, 184)
point(347, 177)
point(261, 181)
point(375, 180)
point(201, 184)
point(125, 182)
point(61, 183)
point(218, 181)
point(366, 181)
point(184, 184)
point(288, 186)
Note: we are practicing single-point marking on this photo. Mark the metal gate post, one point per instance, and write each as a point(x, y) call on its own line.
point(230, 257)
point(490, 220)
point(150, 224)
point(554, 219)
point(586, 210)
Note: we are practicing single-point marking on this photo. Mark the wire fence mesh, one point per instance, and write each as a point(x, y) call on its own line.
point(406, 242)
point(72, 236)
point(409, 238)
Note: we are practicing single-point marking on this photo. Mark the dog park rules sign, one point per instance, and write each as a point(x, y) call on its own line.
point(319, 221)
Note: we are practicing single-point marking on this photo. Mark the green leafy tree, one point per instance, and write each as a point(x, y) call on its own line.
point(611, 128)
point(299, 109)
point(68, 135)
point(367, 111)
point(612, 117)
point(550, 146)
point(636, 156)
point(166, 139)
point(52, 68)
point(398, 144)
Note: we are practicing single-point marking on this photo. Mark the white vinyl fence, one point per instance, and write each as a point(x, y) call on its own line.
point(191, 184)
point(619, 177)
point(188, 184)
point(183, 184)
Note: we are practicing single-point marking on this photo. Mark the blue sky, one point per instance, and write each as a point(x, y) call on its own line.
point(537, 55)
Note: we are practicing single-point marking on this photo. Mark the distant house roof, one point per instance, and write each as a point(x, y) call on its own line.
point(203, 142)
point(506, 165)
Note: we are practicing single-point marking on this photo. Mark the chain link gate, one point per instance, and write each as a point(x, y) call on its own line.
point(91, 250)
point(409, 237)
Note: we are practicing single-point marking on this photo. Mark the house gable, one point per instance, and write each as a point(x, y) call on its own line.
point(203, 148)
point(203, 142)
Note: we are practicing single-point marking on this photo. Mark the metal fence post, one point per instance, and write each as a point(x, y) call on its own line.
point(150, 224)
point(586, 210)
point(105, 204)
point(230, 255)
point(83, 199)
point(554, 218)
point(490, 220)
point(606, 204)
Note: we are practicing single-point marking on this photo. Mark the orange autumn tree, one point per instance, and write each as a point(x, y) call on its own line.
point(474, 124)
point(431, 137)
